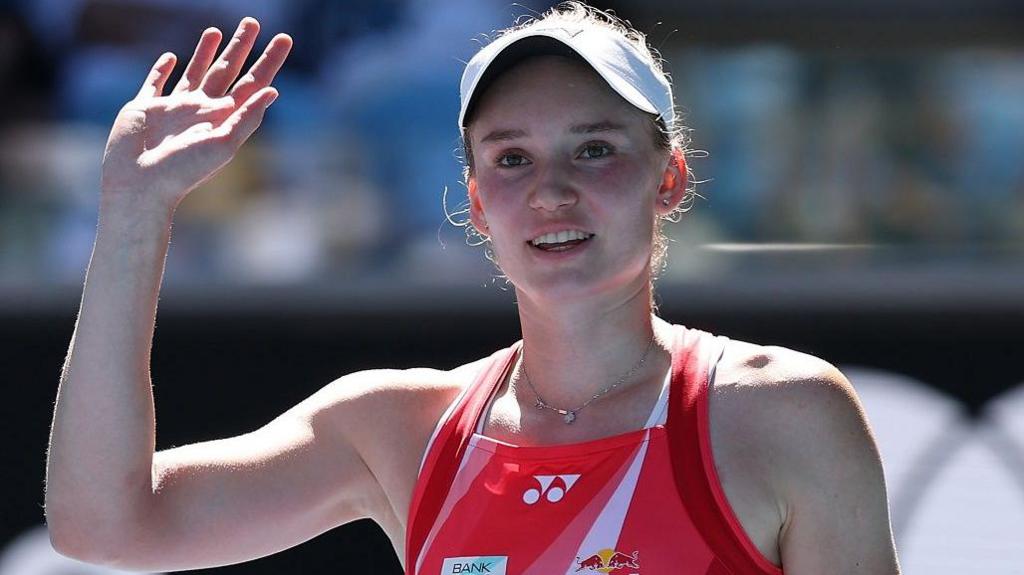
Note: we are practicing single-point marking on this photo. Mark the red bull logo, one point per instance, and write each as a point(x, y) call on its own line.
point(610, 561)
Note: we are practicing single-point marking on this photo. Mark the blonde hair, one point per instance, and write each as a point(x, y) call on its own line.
point(667, 137)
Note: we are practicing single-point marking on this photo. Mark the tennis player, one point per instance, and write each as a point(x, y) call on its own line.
point(605, 441)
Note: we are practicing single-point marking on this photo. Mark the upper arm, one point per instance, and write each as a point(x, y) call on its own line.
point(829, 477)
point(236, 499)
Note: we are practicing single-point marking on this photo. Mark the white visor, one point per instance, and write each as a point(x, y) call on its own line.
point(629, 71)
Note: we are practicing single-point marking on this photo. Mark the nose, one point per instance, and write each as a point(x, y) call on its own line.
point(553, 189)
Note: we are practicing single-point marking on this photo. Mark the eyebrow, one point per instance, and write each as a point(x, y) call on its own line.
point(605, 126)
point(589, 128)
point(501, 135)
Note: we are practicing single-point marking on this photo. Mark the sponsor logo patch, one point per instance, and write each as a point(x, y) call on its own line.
point(610, 561)
point(551, 487)
point(488, 565)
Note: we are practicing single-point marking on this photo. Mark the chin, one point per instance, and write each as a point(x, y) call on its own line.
point(575, 286)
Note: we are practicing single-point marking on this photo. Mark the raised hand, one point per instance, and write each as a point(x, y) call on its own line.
point(161, 147)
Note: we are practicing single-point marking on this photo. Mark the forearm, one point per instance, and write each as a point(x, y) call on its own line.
point(103, 434)
point(100, 498)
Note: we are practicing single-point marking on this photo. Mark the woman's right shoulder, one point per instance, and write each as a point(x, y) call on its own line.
point(388, 416)
point(405, 395)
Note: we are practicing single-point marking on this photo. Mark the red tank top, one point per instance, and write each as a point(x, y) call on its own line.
point(645, 502)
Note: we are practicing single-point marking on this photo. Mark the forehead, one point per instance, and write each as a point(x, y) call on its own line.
point(558, 86)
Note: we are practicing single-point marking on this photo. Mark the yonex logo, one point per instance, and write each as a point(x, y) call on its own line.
point(552, 487)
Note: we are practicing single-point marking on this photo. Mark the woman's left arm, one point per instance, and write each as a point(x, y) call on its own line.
point(828, 473)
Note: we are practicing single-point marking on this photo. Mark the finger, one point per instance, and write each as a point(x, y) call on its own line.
point(158, 74)
point(206, 50)
point(224, 71)
point(244, 121)
point(263, 71)
point(216, 110)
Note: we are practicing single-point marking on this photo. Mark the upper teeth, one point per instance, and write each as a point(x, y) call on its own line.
point(560, 237)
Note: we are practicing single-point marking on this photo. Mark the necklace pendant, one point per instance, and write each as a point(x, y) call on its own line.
point(570, 416)
point(539, 404)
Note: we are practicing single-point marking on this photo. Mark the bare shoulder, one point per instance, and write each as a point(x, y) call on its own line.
point(391, 390)
point(374, 407)
point(776, 369)
point(797, 421)
point(796, 407)
point(790, 398)
point(388, 416)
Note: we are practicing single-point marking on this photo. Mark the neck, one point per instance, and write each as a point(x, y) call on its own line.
point(574, 350)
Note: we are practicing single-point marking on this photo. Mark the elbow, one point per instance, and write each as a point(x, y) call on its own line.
point(82, 540)
point(75, 543)
point(117, 542)
point(95, 527)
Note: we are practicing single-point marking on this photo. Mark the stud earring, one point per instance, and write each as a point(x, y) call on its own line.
point(665, 202)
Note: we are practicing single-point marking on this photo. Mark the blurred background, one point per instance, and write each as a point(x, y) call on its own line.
point(861, 168)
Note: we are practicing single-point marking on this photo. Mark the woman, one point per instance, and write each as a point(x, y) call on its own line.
point(605, 441)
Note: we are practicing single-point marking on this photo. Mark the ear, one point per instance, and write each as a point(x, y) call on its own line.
point(476, 209)
point(673, 184)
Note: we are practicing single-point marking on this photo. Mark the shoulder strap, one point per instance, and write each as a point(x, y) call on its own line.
point(694, 355)
point(440, 463)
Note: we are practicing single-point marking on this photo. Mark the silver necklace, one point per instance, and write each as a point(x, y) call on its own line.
point(569, 415)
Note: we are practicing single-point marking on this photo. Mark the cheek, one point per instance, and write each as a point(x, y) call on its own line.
point(624, 188)
point(497, 212)
point(497, 199)
point(630, 192)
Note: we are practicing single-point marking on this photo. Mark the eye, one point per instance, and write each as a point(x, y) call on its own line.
point(511, 160)
point(596, 150)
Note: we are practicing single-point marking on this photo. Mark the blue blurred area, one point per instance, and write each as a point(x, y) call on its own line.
point(868, 145)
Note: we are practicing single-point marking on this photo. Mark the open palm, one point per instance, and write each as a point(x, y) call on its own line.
point(165, 146)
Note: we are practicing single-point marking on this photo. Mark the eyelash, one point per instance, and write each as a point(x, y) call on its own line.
point(607, 151)
point(500, 162)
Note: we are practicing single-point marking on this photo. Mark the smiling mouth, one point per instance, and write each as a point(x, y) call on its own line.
point(560, 246)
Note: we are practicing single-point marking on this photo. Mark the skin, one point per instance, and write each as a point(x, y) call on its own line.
point(790, 440)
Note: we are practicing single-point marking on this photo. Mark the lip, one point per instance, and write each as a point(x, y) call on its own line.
point(560, 255)
point(555, 228)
